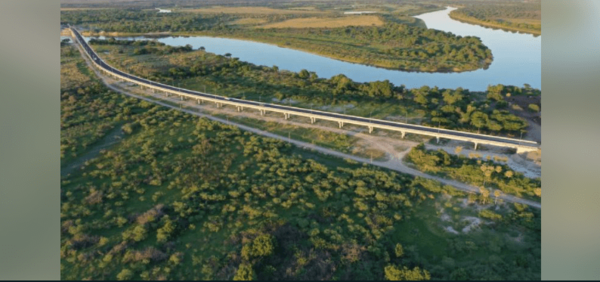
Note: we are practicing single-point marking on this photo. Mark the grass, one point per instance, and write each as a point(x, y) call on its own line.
point(315, 22)
point(249, 10)
point(472, 20)
point(249, 21)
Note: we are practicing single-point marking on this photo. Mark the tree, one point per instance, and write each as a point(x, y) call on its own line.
point(485, 194)
point(538, 192)
point(479, 119)
point(399, 250)
point(497, 195)
point(534, 108)
point(303, 73)
point(244, 273)
point(450, 98)
point(487, 171)
point(138, 233)
point(392, 273)
point(261, 246)
point(125, 274)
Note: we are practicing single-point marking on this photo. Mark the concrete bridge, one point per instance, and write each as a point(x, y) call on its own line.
point(313, 115)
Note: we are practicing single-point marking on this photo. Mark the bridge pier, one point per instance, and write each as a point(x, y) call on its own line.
point(181, 97)
point(438, 139)
point(312, 120)
point(239, 109)
point(403, 133)
point(286, 115)
point(341, 123)
point(198, 101)
point(370, 129)
point(475, 147)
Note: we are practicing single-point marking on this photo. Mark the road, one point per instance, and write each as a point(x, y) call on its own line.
point(452, 134)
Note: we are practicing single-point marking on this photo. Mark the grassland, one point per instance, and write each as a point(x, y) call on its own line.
point(314, 22)
point(508, 15)
point(249, 21)
point(251, 10)
point(494, 24)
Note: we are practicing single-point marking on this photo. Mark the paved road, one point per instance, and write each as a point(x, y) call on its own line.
point(432, 130)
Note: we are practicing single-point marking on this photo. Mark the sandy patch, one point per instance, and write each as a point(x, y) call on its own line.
point(473, 223)
point(451, 230)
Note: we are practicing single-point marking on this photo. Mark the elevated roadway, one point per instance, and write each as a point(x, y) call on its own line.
point(313, 115)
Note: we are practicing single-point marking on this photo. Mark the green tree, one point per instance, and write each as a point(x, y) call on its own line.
point(479, 119)
point(263, 246)
point(393, 273)
point(534, 108)
point(125, 274)
point(244, 273)
point(399, 250)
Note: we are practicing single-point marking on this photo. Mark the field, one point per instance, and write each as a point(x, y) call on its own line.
point(507, 15)
point(249, 10)
point(249, 21)
point(491, 24)
point(362, 20)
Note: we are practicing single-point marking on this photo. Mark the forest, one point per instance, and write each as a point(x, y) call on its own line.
point(393, 45)
point(182, 197)
point(517, 16)
point(457, 109)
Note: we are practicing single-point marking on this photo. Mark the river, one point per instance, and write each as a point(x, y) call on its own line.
point(517, 58)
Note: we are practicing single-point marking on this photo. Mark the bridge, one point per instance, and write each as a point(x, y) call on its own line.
point(314, 115)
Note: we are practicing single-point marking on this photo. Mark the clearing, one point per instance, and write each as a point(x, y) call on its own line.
point(327, 22)
point(248, 10)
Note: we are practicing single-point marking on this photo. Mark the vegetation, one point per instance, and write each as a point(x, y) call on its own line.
point(447, 108)
point(186, 198)
point(327, 22)
point(474, 171)
point(517, 16)
point(393, 45)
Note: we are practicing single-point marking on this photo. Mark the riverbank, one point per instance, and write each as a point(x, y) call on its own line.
point(458, 17)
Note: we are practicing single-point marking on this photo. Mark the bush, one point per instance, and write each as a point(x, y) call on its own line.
point(534, 108)
point(244, 273)
point(125, 274)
